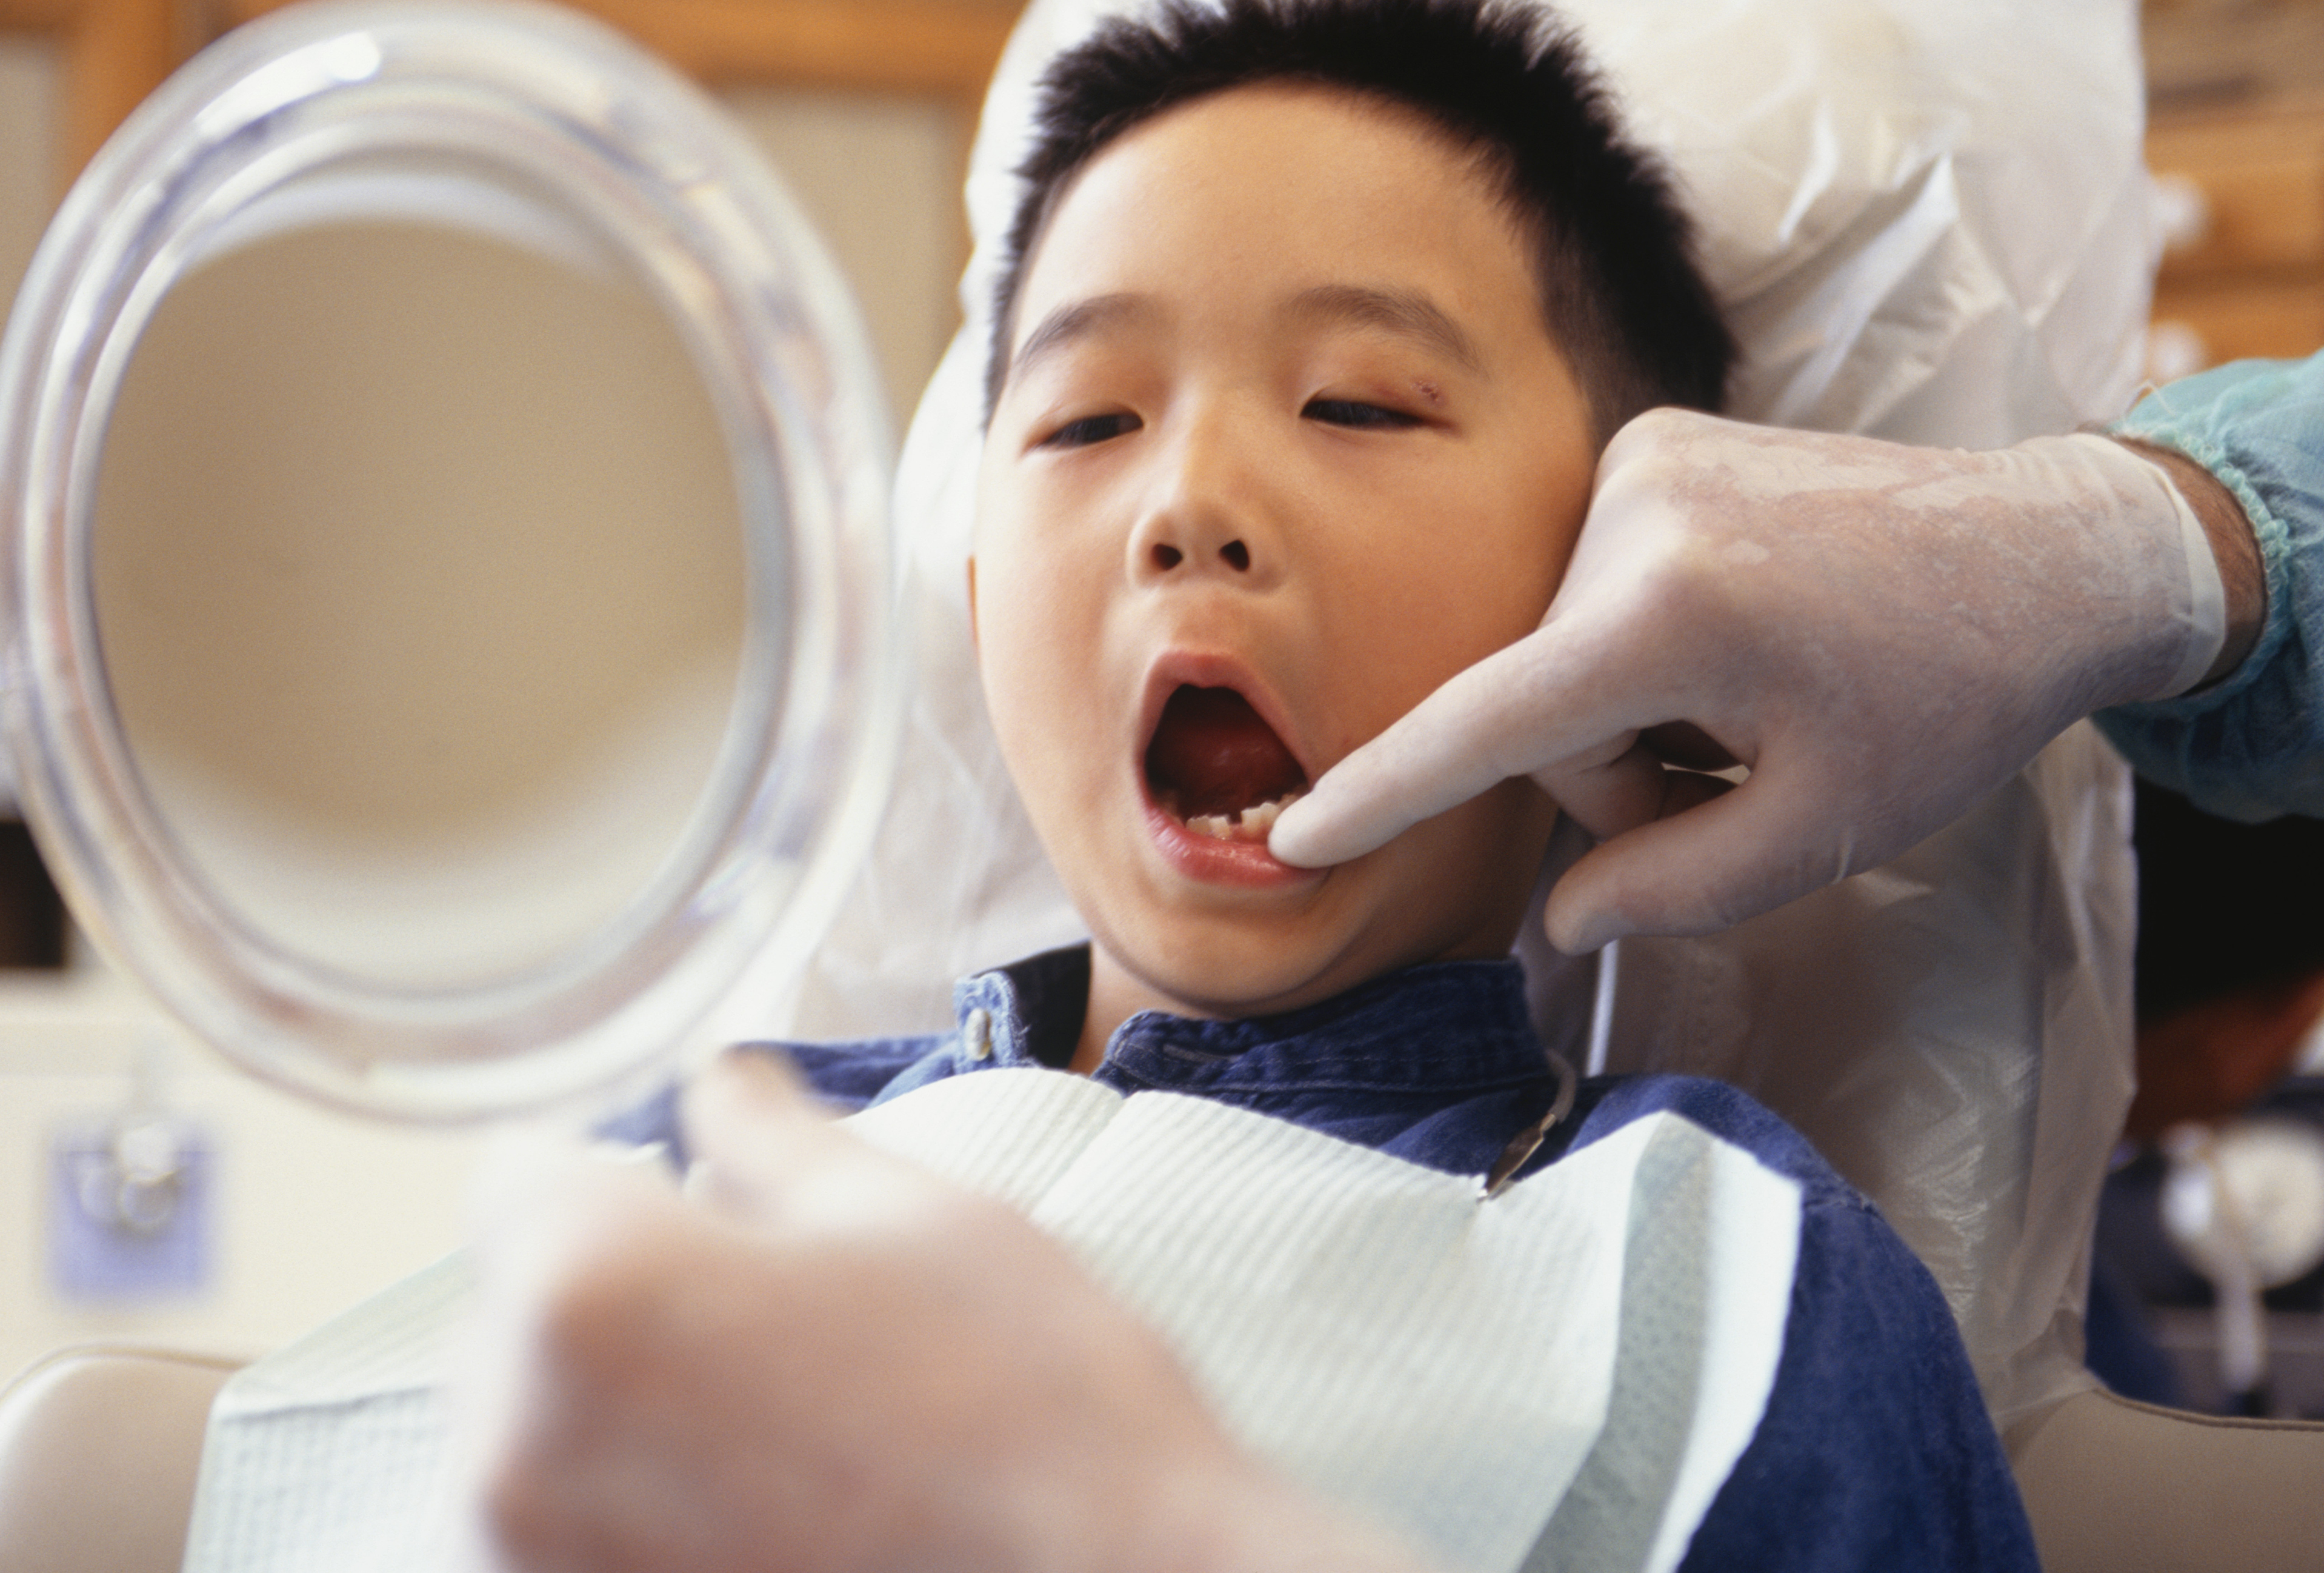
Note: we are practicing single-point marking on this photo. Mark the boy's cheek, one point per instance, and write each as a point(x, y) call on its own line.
point(1041, 706)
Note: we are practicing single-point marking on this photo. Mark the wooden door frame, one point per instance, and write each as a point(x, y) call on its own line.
point(942, 48)
point(113, 53)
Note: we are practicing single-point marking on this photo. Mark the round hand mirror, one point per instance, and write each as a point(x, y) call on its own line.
point(447, 570)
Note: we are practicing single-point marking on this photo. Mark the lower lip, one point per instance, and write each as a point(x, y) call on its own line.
point(1213, 861)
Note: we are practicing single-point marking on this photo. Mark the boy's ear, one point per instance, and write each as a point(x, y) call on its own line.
point(972, 601)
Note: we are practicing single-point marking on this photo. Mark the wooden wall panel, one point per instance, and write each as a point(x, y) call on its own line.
point(2245, 274)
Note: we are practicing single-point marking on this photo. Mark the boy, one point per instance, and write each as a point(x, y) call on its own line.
point(1318, 316)
point(1319, 313)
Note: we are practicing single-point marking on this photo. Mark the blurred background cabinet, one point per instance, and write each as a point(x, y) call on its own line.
point(2243, 268)
point(2236, 92)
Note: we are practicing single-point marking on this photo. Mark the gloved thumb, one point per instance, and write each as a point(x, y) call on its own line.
point(1714, 858)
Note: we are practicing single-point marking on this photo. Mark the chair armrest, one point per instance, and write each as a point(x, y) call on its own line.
point(2125, 1487)
point(98, 1449)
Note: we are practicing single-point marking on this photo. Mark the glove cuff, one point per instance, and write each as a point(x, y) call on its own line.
point(2199, 601)
point(2207, 612)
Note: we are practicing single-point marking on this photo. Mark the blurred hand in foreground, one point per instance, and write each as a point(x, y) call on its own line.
point(1882, 634)
point(827, 1358)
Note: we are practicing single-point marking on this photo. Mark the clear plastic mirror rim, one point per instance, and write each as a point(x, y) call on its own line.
point(620, 156)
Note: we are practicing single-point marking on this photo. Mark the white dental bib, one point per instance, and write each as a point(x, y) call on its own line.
point(1362, 1323)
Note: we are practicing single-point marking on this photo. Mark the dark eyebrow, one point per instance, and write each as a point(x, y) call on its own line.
point(1074, 320)
point(1403, 312)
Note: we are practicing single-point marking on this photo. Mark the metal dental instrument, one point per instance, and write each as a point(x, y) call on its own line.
point(1528, 1142)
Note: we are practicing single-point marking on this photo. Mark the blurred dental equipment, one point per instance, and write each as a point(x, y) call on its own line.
point(130, 1199)
point(2245, 1203)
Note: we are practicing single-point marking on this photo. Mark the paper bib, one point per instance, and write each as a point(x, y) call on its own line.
point(1561, 1377)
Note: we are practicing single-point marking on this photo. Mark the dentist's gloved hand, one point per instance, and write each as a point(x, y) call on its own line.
point(1882, 634)
point(825, 1359)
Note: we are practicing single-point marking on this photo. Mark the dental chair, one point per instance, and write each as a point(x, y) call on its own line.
point(1926, 224)
point(97, 1452)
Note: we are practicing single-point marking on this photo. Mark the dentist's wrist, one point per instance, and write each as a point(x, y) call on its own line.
point(2242, 576)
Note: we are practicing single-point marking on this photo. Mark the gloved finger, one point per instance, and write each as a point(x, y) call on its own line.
point(767, 1158)
point(543, 1207)
point(1711, 859)
point(751, 1130)
point(536, 1189)
point(1611, 798)
point(1530, 705)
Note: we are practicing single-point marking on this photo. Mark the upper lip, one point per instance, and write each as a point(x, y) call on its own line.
point(1175, 668)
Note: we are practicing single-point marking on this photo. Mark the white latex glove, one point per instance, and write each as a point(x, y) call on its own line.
point(829, 1359)
point(1882, 634)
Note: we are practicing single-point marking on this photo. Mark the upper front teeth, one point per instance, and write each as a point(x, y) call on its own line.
point(1250, 824)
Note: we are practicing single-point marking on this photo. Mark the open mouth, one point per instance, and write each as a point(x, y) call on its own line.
point(1219, 769)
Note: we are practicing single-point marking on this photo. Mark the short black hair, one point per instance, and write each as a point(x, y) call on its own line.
point(1621, 293)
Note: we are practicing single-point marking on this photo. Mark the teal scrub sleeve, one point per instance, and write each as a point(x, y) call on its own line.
point(2250, 746)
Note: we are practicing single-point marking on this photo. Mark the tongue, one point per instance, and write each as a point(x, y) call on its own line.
point(1212, 754)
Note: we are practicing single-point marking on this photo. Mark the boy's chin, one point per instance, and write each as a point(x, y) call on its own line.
point(1453, 888)
point(1238, 975)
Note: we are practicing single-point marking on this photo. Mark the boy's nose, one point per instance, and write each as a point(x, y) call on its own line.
point(1207, 516)
point(1235, 554)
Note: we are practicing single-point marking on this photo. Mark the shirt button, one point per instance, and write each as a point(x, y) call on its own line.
point(977, 1032)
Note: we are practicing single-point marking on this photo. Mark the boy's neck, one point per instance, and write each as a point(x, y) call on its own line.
point(1114, 997)
point(1116, 994)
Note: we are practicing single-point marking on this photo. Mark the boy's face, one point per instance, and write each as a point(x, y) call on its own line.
point(1284, 424)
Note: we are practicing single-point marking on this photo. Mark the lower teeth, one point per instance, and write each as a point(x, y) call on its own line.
point(1250, 824)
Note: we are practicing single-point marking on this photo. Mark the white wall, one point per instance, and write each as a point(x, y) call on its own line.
point(881, 176)
point(316, 1210)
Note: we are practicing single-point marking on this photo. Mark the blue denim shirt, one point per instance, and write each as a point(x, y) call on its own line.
point(2252, 745)
point(1875, 1451)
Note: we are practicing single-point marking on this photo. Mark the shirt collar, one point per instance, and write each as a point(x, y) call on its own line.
point(1445, 1027)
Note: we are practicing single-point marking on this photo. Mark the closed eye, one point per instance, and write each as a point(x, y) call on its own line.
point(1357, 415)
point(1090, 430)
